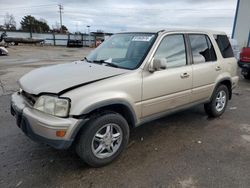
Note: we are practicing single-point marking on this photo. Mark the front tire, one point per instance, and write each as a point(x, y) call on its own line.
point(103, 139)
point(217, 106)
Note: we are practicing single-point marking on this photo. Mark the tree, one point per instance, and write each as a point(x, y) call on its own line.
point(64, 29)
point(9, 22)
point(56, 28)
point(44, 26)
point(2, 27)
point(31, 24)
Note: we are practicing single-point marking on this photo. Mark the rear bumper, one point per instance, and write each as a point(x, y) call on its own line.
point(42, 127)
point(235, 81)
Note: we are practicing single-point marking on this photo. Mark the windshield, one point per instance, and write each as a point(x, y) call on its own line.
point(126, 50)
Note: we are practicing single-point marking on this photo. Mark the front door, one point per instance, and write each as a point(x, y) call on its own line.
point(171, 87)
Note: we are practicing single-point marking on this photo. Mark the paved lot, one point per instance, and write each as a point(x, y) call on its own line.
point(182, 150)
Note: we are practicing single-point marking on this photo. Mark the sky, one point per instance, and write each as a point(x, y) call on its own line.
point(127, 15)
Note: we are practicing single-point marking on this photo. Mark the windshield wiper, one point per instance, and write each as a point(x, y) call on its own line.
point(86, 59)
point(106, 63)
point(112, 64)
point(100, 62)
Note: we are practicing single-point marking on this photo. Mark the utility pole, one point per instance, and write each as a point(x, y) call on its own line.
point(30, 22)
point(88, 26)
point(60, 12)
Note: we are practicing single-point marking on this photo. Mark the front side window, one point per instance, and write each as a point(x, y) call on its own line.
point(172, 50)
point(202, 49)
point(126, 50)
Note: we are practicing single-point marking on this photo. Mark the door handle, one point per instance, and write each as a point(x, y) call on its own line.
point(217, 68)
point(185, 75)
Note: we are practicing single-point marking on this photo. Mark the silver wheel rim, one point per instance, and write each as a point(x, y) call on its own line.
point(107, 141)
point(220, 101)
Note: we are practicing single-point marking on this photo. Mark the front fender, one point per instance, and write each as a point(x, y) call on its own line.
point(96, 101)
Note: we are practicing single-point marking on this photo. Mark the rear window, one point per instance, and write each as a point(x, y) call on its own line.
point(224, 46)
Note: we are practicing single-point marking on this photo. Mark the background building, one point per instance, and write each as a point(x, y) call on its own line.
point(241, 27)
point(61, 39)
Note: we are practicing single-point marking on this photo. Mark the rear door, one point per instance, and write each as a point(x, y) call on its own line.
point(171, 87)
point(205, 66)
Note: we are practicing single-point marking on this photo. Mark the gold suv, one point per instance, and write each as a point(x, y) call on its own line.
point(128, 80)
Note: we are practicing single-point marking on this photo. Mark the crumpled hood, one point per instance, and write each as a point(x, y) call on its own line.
point(55, 79)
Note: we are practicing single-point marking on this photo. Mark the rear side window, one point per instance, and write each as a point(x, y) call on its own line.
point(202, 49)
point(224, 46)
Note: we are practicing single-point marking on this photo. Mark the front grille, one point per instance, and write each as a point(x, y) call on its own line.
point(31, 99)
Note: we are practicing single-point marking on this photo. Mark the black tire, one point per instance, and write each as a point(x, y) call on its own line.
point(85, 141)
point(210, 108)
point(245, 73)
point(247, 77)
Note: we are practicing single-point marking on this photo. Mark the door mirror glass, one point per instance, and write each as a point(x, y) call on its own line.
point(157, 64)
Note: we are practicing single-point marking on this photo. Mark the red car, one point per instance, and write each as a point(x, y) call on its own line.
point(244, 62)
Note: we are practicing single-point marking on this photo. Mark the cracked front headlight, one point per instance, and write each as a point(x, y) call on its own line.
point(53, 105)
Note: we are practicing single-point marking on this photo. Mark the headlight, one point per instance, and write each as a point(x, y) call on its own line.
point(53, 105)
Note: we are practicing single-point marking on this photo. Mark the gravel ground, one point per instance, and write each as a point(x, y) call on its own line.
point(186, 149)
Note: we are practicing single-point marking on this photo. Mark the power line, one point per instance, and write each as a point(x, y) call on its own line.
point(151, 8)
point(27, 7)
point(122, 8)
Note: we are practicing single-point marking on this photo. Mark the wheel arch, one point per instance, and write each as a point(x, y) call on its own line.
point(228, 83)
point(119, 106)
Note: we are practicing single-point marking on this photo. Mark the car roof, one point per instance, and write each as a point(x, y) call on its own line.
point(180, 30)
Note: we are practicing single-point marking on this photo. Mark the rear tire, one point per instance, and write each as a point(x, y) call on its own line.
point(245, 73)
point(216, 107)
point(103, 139)
point(247, 77)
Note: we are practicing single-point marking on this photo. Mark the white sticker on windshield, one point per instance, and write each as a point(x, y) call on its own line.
point(142, 38)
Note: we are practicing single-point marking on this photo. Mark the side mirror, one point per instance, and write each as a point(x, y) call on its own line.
point(157, 64)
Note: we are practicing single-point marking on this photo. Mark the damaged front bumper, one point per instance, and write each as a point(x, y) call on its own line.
point(42, 127)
